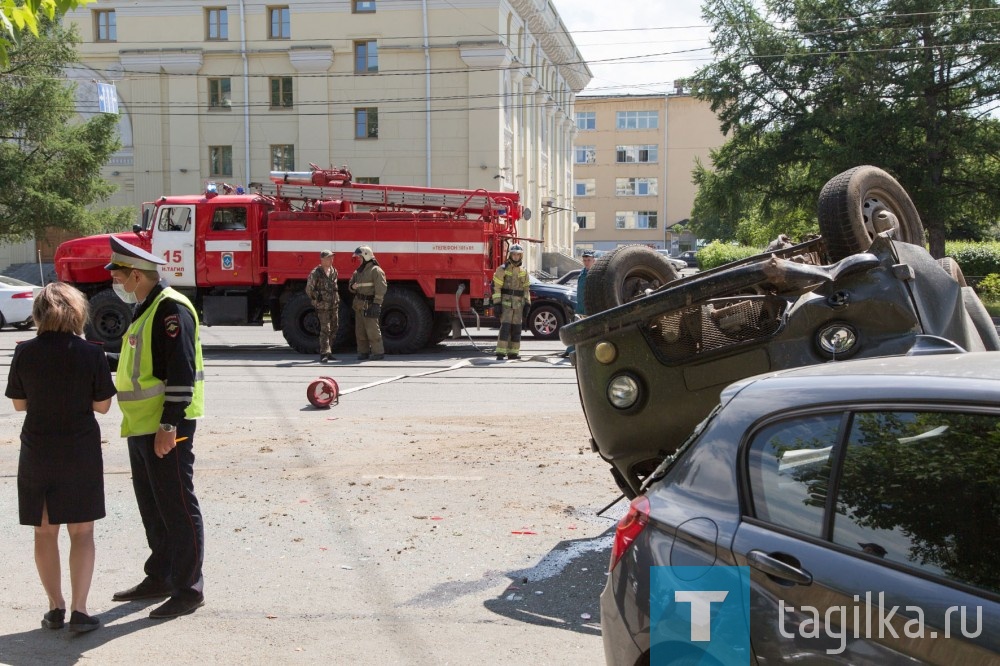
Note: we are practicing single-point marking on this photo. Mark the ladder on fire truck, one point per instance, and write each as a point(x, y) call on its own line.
point(388, 196)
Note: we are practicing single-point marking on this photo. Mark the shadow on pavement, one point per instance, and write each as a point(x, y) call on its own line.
point(60, 646)
point(561, 591)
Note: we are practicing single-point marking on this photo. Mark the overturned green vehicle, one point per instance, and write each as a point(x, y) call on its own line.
point(654, 358)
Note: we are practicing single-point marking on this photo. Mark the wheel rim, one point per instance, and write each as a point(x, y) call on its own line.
point(545, 323)
point(393, 323)
point(635, 285)
point(109, 325)
point(310, 323)
point(879, 213)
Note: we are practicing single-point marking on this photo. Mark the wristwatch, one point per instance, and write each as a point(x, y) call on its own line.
point(166, 427)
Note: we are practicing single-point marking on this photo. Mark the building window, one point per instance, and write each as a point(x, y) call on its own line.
point(220, 95)
point(105, 26)
point(586, 154)
point(635, 187)
point(637, 154)
point(218, 24)
point(635, 219)
point(366, 123)
point(220, 160)
point(365, 57)
point(283, 158)
point(585, 220)
point(637, 120)
point(586, 120)
point(363, 6)
point(366, 180)
point(586, 187)
point(279, 23)
point(281, 92)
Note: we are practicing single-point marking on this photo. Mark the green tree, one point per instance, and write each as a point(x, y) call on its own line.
point(806, 89)
point(50, 161)
point(20, 16)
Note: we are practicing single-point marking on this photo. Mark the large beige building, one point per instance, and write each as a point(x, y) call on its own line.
point(633, 159)
point(443, 93)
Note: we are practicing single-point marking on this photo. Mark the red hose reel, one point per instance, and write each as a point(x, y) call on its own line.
point(323, 392)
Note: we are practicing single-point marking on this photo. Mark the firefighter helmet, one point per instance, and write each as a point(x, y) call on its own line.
point(364, 252)
point(516, 247)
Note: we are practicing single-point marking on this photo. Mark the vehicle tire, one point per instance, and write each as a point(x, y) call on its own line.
point(441, 328)
point(981, 318)
point(406, 321)
point(110, 317)
point(544, 322)
point(860, 203)
point(344, 338)
point(24, 325)
point(299, 324)
point(952, 268)
point(624, 275)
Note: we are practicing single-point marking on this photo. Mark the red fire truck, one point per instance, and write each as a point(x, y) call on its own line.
point(243, 256)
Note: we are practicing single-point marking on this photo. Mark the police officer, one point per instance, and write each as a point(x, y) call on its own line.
point(368, 284)
point(511, 302)
point(321, 288)
point(581, 286)
point(160, 393)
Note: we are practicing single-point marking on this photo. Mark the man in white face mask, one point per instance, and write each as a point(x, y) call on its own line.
point(159, 381)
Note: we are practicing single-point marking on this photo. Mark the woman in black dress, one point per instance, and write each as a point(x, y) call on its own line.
point(60, 379)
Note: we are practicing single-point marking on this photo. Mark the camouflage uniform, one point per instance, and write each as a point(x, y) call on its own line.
point(322, 291)
point(511, 292)
point(369, 286)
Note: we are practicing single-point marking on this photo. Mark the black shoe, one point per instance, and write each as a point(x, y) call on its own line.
point(81, 622)
point(364, 357)
point(149, 588)
point(323, 358)
point(378, 357)
point(512, 357)
point(499, 357)
point(565, 354)
point(177, 606)
point(54, 619)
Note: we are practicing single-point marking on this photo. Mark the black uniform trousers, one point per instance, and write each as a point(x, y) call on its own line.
point(164, 490)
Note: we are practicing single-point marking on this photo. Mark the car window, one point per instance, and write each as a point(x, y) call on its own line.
point(789, 465)
point(229, 219)
point(174, 218)
point(923, 489)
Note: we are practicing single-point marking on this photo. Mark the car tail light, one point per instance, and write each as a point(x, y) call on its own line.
point(629, 528)
point(23, 294)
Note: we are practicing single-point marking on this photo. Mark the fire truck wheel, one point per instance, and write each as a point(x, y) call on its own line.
point(344, 338)
point(406, 323)
point(624, 275)
point(299, 324)
point(861, 202)
point(109, 319)
point(441, 327)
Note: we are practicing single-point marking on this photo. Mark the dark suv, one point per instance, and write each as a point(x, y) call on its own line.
point(655, 351)
point(857, 502)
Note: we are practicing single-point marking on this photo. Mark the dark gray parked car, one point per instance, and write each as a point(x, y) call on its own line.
point(834, 484)
point(656, 351)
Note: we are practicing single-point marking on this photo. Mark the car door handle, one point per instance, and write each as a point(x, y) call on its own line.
point(778, 568)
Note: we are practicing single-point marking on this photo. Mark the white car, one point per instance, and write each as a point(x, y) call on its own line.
point(679, 264)
point(16, 300)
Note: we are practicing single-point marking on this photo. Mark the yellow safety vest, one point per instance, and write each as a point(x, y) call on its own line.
point(140, 393)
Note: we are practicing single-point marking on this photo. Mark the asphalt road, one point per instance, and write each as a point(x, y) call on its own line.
point(443, 512)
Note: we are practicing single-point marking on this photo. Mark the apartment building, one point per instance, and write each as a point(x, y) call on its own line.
point(443, 93)
point(633, 157)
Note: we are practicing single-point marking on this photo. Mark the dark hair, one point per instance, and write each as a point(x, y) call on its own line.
point(60, 307)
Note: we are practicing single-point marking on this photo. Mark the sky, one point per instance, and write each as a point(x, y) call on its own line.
point(637, 46)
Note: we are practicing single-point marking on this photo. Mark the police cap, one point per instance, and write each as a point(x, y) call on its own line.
point(125, 257)
point(588, 254)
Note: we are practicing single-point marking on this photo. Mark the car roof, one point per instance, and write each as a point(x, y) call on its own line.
point(969, 375)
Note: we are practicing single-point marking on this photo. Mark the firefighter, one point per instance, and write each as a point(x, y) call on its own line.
point(511, 302)
point(321, 288)
point(368, 284)
point(160, 378)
